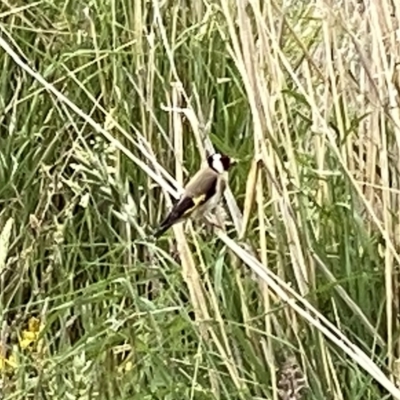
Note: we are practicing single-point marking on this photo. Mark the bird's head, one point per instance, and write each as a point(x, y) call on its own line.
point(220, 162)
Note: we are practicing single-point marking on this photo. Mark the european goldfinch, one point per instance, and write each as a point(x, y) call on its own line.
point(202, 194)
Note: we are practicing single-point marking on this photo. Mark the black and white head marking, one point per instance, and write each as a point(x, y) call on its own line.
point(219, 162)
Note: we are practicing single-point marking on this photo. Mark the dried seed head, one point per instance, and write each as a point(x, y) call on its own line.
point(291, 380)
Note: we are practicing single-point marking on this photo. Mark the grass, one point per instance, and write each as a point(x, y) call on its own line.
point(106, 109)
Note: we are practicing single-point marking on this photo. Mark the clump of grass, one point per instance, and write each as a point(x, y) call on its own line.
point(107, 107)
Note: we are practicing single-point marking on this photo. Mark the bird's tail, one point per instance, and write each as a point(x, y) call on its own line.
point(164, 226)
point(161, 230)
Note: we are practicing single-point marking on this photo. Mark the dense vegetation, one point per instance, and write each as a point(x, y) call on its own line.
point(107, 107)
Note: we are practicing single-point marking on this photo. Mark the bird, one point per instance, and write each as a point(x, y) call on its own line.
point(202, 193)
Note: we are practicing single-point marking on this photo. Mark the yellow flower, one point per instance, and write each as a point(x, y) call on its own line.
point(9, 362)
point(30, 335)
point(34, 325)
point(125, 367)
point(128, 366)
point(28, 338)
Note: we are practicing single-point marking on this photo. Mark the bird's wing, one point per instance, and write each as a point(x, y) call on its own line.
point(202, 186)
point(197, 192)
